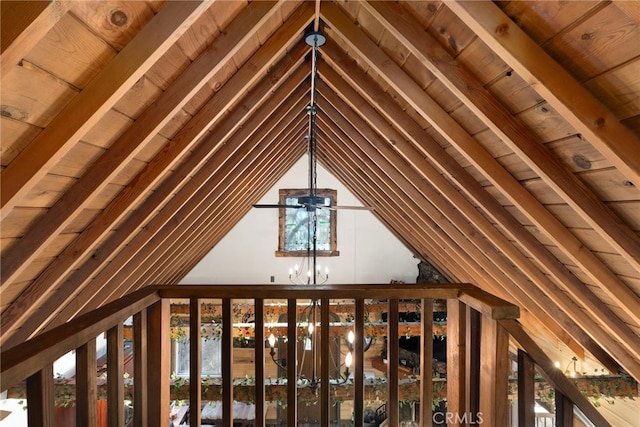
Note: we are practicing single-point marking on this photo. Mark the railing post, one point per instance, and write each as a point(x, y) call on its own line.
point(393, 358)
point(564, 410)
point(40, 397)
point(86, 384)
point(259, 357)
point(494, 372)
point(457, 373)
point(140, 406)
point(292, 357)
point(195, 362)
point(159, 363)
point(526, 390)
point(115, 376)
point(325, 404)
point(426, 362)
point(227, 360)
point(358, 375)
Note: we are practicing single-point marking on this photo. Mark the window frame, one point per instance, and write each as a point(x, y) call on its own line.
point(296, 192)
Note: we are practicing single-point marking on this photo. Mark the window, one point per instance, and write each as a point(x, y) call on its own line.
point(211, 357)
point(296, 228)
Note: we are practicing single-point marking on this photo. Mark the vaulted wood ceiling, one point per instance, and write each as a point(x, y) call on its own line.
point(498, 141)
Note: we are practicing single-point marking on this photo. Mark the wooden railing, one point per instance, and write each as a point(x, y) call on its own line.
point(478, 364)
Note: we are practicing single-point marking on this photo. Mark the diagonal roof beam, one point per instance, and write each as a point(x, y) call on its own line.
point(46, 228)
point(563, 92)
point(24, 23)
point(342, 164)
point(213, 112)
point(526, 293)
point(90, 105)
point(356, 176)
point(451, 168)
point(86, 278)
point(136, 273)
point(202, 228)
point(280, 75)
point(343, 28)
point(510, 130)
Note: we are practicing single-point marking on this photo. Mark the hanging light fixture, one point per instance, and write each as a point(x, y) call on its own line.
point(308, 271)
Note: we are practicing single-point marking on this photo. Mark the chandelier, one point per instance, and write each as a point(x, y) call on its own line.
point(309, 344)
point(308, 271)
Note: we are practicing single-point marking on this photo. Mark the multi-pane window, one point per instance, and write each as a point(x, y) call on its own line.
point(297, 224)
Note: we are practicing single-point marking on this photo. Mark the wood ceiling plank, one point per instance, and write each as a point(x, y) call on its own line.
point(71, 52)
point(556, 85)
point(134, 137)
point(24, 24)
point(517, 136)
point(356, 39)
point(542, 310)
point(164, 160)
point(451, 168)
point(96, 99)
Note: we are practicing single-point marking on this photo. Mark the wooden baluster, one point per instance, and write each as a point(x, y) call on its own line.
point(41, 397)
point(358, 374)
point(494, 372)
point(472, 382)
point(159, 363)
point(526, 390)
point(426, 362)
point(195, 362)
point(325, 404)
point(292, 356)
point(259, 358)
point(140, 406)
point(564, 410)
point(86, 385)
point(456, 359)
point(115, 376)
point(393, 359)
point(227, 362)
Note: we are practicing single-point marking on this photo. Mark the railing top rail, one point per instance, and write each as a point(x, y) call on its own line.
point(27, 358)
point(480, 300)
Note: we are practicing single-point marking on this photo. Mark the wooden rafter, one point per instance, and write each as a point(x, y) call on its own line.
point(513, 132)
point(89, 106)
point(563, 92)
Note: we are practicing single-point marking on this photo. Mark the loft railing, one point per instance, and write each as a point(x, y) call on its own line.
point(478, 364)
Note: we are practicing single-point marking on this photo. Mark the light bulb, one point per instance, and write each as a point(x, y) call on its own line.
point(310, 328)
point(272, 340)
point(557, 364)
point(348, 359)
point(295, 267)
point(350, 337)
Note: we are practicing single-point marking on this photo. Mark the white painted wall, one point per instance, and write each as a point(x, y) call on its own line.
point(369, 253)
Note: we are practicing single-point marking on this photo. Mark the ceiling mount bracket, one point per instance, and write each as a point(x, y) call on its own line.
point(315, 39)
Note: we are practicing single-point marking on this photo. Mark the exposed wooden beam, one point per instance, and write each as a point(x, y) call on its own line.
point(358, 78)
point(144, 253)
point(193, 220)
point(24, 23)
point(72, 286)
point(343, 28)
point(151, 121)
point(553, 374)
point(563, 92)
point(90, 105)
point(511, 131)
